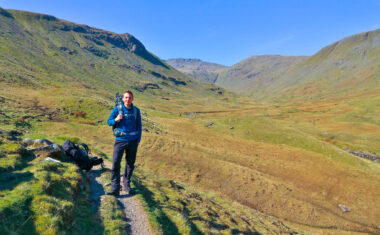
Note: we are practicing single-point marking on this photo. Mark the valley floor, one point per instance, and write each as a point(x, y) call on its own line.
point(290, 161)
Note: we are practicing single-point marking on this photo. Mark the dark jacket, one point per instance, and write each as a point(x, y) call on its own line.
point(128, 124)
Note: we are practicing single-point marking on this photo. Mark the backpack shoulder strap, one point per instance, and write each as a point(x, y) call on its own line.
point(135, 112)
point(84, 146)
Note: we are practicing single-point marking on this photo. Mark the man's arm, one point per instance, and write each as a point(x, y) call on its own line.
point(111, 119)
point(139, 128)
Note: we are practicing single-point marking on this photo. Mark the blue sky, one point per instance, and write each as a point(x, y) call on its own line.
point(220, 31)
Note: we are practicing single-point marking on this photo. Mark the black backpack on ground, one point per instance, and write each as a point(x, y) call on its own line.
point(79, 156)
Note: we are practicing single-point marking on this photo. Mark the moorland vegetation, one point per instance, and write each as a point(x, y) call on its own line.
point(227, 159)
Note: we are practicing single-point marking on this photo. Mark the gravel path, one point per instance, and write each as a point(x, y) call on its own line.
point(133, 211)
point(135, 215)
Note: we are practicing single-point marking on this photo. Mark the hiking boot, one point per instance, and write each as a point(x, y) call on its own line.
point(113, 193)
point(127, 187)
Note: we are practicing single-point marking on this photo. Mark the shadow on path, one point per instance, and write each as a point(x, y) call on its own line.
point(128, 220)
point(97, 189)
point(168, 226)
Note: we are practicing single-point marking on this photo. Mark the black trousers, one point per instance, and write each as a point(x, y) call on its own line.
point(130, 149)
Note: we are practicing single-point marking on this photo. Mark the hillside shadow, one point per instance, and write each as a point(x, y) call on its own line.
point(149, 57)
point(10, 180)
point(128, 227)
point(237, 231)
point(14, 222)
point(127, 195)
point(168, 226)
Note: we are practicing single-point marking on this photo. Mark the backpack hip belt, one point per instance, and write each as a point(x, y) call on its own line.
point(119, 133)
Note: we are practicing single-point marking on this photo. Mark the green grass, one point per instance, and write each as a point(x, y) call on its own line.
point(367, 111)
point(269, 130)
point(110, 210)
point(39, 197)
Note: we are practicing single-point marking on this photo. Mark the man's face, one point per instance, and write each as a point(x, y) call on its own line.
point(127, 99)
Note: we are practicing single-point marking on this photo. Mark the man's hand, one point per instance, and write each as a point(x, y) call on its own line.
point(118, 118)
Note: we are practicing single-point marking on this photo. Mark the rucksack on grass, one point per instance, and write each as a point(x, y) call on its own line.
point(80, 156)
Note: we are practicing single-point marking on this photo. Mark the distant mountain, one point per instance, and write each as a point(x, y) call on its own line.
point(196, 68)
point(347, 67)
point(256, 72)
point(38, 50)
point(243, 77)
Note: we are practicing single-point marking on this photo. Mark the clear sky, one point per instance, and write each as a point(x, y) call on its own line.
point(220, 31)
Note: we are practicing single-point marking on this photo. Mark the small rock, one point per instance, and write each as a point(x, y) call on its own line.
point(27, 132)
point(378, 227)
point(28, 141)
point(190, 115)
point(43, 141)
point(99, 121)
point(343, 208)
point(54, 148)
point(48, 159)
point(210, 124)
point(231, 127)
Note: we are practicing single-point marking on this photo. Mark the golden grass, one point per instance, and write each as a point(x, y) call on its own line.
point(290, 183)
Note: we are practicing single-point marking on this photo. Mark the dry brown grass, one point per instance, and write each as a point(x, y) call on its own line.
point(297, 185)
point(290, 183)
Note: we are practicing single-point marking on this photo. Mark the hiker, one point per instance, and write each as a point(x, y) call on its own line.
point(126, 120)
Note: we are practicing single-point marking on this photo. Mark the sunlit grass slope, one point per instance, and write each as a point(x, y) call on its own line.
point(278, 159)
point(344, 68)
point(175, 208)
point(42, 51)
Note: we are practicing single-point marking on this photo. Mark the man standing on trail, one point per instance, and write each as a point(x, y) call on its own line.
point(127, 122)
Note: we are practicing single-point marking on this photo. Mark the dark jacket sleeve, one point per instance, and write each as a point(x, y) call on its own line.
point(111, 119)
point(139, 129)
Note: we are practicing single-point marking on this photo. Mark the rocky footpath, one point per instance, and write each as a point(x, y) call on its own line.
point(369, 156)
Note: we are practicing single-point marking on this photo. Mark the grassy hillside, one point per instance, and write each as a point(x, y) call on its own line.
point(201, 70)
point(42, 51)
point(287, 160)
point(39, 197)
point(347, 67)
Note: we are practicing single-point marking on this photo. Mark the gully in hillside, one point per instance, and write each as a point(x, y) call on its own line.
point(126, 121)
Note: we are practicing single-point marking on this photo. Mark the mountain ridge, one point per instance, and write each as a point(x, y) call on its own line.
point(57, 51)
point(349, 65)
point(198, 69)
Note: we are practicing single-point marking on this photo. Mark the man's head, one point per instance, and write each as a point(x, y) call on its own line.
point(127, 98)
